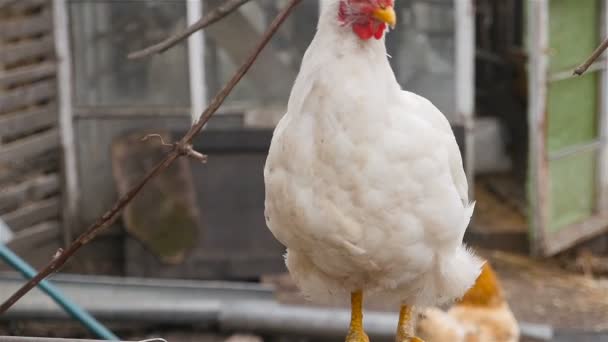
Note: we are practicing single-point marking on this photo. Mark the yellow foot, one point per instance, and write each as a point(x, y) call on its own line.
point(404, 327)
point(357, 336)
point(355, 332)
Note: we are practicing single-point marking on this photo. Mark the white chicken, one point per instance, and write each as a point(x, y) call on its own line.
point(364, 181)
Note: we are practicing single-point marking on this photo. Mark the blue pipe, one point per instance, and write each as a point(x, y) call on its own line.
point(68, 306)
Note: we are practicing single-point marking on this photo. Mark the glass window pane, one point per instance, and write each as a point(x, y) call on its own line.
point(103, 33)
point(230, 41)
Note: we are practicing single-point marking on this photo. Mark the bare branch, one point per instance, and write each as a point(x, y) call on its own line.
point(215, 15)
point(594, 56)
point(182, 148)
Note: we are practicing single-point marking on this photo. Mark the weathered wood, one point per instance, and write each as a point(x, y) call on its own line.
point(538, 18)
point(27, 26)
point(26, 50)
point(22, 5)
point(602, 162)
point(32, 214)
point(37, 256)
point(27, 74)
point(32, 237)
point(104, 255)
point(114, 113)
point(29, 147)
point(23, 170)
point(575, 233)
point(33, 189)
point(164, 215)
point(30, 120)
point(27, 95)
point(65, 100)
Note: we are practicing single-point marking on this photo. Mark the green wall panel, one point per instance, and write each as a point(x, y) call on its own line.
point(573, 31)
point(572, 189)
point(573, 111)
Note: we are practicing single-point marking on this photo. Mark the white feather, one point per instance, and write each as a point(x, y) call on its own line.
point(364, 181)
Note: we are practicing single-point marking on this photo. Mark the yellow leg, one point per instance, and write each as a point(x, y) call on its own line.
point(355, 332)
point(404, 327)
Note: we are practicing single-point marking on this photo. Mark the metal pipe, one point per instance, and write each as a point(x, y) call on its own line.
point(128, 299)
point(264, 316)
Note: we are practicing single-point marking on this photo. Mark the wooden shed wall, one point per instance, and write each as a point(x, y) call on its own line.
point(30, 179)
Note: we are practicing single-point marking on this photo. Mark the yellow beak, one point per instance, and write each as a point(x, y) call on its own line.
point(386, 15)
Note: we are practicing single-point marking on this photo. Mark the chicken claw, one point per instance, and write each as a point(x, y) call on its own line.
point(404, 327)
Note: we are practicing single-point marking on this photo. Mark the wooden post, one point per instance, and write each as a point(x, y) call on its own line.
point(66, 124)
point(602, 171)
point(538, 21)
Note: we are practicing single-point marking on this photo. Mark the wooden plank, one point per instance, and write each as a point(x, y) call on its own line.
point(30, 120)
point(26, 26)
point(22, 170)
point(22, 5)
point(27, 95)
point(32, 214)
point(27, 74)
point(29, 147)
point(575, 233)
point(112, 113)
point(30, 238)
point(27, 49)
point(34, 189)
point(37, 257)
point(602, 165)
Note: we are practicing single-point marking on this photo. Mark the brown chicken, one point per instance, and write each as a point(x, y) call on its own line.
point(482, 315)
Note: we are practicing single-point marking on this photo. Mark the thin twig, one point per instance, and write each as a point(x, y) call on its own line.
point(160, 137)
point(215, 15)
point(181, 148)
point(594, 56)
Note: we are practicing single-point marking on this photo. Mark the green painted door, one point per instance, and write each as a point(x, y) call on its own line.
point(565, 123)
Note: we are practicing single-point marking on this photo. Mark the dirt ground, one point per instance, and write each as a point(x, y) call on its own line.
point(542, 292)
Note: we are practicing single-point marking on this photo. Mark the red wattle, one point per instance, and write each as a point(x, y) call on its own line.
point(370, 29)
point(380, 31)
point(364, 31)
